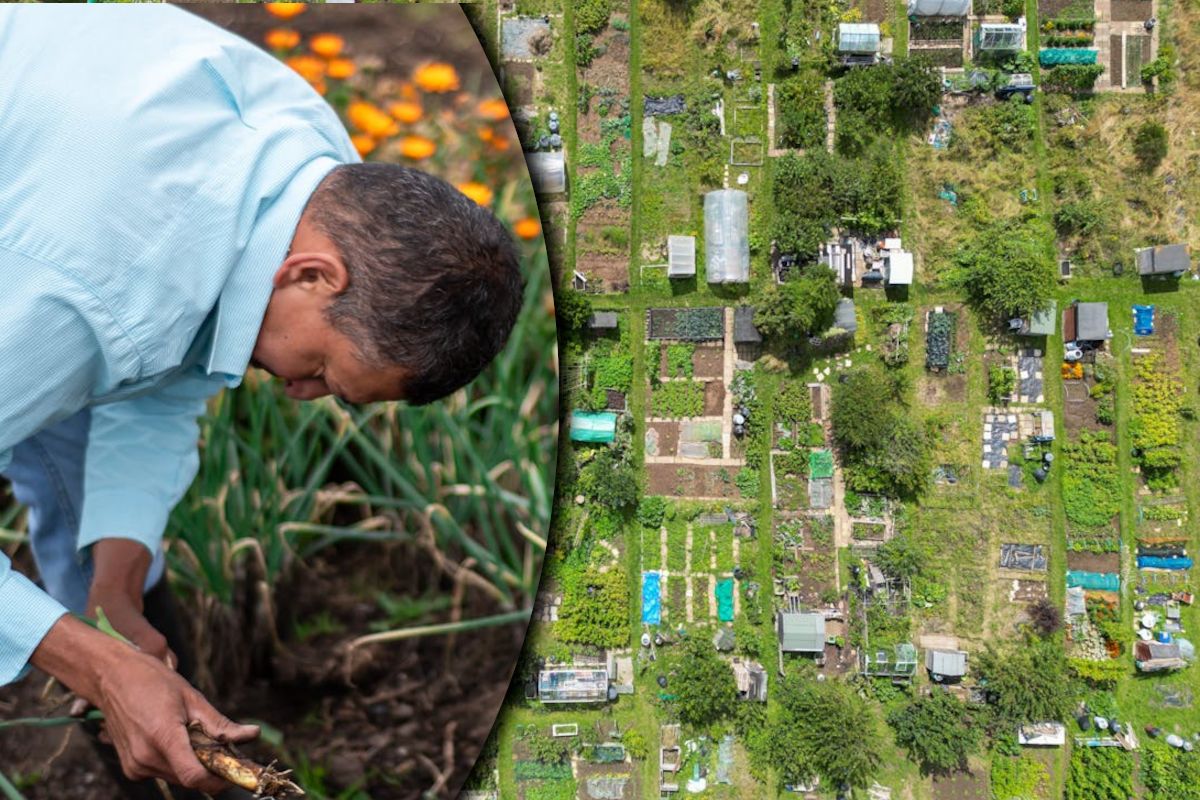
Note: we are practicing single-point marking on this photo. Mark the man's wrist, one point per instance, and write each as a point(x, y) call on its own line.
point(78, 655)
point(119, 566)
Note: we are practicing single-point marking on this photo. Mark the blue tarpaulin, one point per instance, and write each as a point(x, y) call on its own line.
point(651, 599)
point(1143, 320)
point(1164, 562)
point(1102, 581)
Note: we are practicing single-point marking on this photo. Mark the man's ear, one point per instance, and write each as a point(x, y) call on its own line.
point(313, 271)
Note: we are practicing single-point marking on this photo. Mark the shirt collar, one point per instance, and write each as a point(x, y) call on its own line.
point(243, 300)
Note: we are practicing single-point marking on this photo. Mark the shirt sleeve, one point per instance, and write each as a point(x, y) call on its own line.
point(141, 458)
point(29, 614)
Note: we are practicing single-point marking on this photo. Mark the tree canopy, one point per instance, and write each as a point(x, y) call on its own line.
point(937, 731)
point(1026, 683)
point(704, 687)
point(610, 480)
point(809, 736)
point(800, 306)
point(1006, 270)
point(883, 448)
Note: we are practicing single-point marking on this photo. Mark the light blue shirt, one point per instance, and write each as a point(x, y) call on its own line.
point(153, 168)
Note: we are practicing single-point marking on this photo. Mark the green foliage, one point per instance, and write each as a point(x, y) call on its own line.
point(703, 685)
point(1002, 382)
point(1162, 67)
point(799, 307)
point(1156, 425)
point(651, 510)
point(537, 771)
point(595, 607)
point(1025, 682)
point(592, 15)
point(1005, 271)
point(585, 50)
point(809, 733)
point(936, 731)
point(573, 309)
point(1019, 778)
point(793, 403)
point(679, 360)
point(544, 748)
point(1099, 673)
point(1099, 773)
point(747, 482)
point(800, 111)
point(901, 556)
point(562, 789)
point(635, 744)
point(883, 448)
point(888, 98)
point(991, 130)
point(610, 480)
point(939, 340)
point(1150, 144)
point(1170, 774)
point(1070, 78)
point(816, 191)
point(675, 399)
point(1090, 480)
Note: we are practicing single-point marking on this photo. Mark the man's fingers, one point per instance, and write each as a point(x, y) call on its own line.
point(217, 725)
point(186, 769)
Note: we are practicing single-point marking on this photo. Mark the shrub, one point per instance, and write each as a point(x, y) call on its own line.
point(1150, 145)
point(1090, 479)
point(651, 511)
point(800, 109)
point(1099, 773)
point(1070, 78)
point(1002, 382)
point(676, 399)
point(747, 482)
point(595, 607)
point(1005, 271)
point(936, 731)
point(592, 15)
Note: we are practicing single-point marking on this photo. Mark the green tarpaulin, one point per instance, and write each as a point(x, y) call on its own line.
point(1102, 581)
point(593, 426)
point(820, 464)
point(724, 592)
point(1053, 56)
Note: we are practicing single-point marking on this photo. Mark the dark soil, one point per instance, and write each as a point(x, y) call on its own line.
point(709, 361)
point(1093, 562)
point(714, 399)
point(1079, 408)
point(1029, 591)
point(610, 268)
point(668, 437)
point(673, 480)
point(1132, 10)
point(414, 720)
point(961, 786)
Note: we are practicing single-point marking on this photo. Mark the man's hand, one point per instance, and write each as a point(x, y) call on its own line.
point(120, 567)
point(146, 706)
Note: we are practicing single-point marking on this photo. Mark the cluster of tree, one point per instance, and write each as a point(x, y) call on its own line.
point(801, 306)
point(888, 98)
point(883, 449)
point(1007, 270)
point(1026, 682)
point(595, 606)
point(937, 730)
point(818, 190)
point(703, 685)
point(1150, 145)
point(610, 480)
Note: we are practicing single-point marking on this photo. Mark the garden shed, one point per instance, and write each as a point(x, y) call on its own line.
point(1042, 734)
point(1167, 259)
point(800, 632)
point(946, 665)
point(844, 316)
point(572, 685)
point(939, 8)
point(1040, 323)
point(603, 321)
point(681, 256)
point(1158, 656)
point(897, 264)
point(1000, 37)
point(858, 38)
point(726, 236)
point(548, 171)
point(751, 680)
point(593, 426)
point(744, 331)
point(1086, 322)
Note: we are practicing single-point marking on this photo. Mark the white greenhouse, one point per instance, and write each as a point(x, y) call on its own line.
point(939, 8)
point(726, 242)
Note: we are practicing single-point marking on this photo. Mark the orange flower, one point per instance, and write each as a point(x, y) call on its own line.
point(477, 192)
point(408, 91)
point(311, 68)
point(406, 111)
point(341, 68)
point(370, 119)
point(527, 228)
point(328, 45)
point(363, 144)
point(281, 39)
point(286, 10)
point(494, 110)
point(417, 147)
point(500, 143)
point(486, 134)
point(320, 87)
point(437, 77)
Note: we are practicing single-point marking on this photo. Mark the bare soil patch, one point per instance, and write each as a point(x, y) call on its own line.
point(674, 480)
point(709, 361)
point(1132, 10)
point(962, 786)
point(667, 434)
point(1093, 562)
point(714, 398)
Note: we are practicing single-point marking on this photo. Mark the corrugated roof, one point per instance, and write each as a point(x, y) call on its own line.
point(1163, 260)
point(948, 663)
point(603, 319)
point(843, 315)
point(801, 632)
point(1091, 322)
point(743, 326)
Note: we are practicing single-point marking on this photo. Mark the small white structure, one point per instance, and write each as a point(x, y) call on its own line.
point(573, 685)
point(939, 8)
point(1042, 734)
point(681, 256)
point(1001, 37)
point(859, 40)
point(897, 263)
point(548, 171)
point(726, 236)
